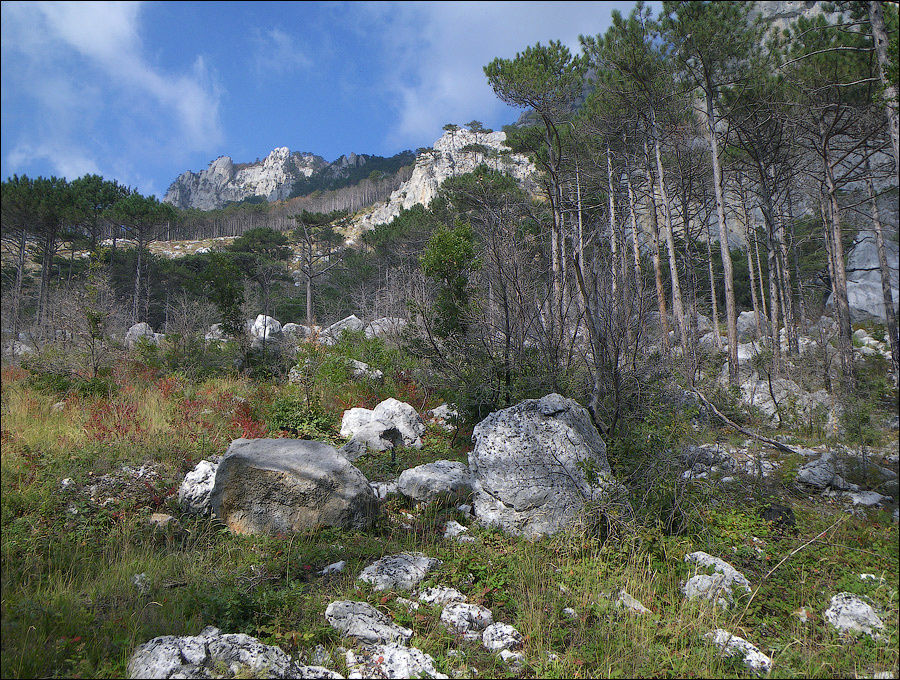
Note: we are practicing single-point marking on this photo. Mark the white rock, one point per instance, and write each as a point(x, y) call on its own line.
point(334, 568)
point(404, 418)
point(403, 571)
point(732, 645)
point(264, 327)
point(362, 371)
point(214, 654)
point(384, 327)
point(137, 332)
point(363, 622)
point(499, 636)
point(382, 489)
point(440, 596)
point(391, 661)
point(717, 585)
point(514, 660)
point(443, 416)
point(848, 613)
point(350, 323)
point(626, 601)
point(468, 619)
point(195, 490)
point(141, 582)
point(454, 529)
point(442, 481)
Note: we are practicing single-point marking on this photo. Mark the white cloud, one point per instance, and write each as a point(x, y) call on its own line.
point(73, 65)
point(439, 50)
point(277, 53)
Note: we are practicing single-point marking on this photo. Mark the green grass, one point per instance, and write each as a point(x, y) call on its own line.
point(69, 607)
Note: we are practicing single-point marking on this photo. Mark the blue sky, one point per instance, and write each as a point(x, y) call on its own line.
point(140, 92)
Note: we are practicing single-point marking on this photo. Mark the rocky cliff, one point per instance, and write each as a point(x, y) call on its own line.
point(455, 153)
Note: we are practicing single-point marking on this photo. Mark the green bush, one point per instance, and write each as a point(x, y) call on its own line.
point(290, 413)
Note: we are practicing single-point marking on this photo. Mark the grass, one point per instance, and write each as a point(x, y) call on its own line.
point(70, 607)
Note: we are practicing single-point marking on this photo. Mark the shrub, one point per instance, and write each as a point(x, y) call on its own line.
point(290, 413)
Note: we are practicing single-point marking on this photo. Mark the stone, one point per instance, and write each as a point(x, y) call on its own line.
point(386, 326)
point(404, 418)
point(500, 636)
point(213, 654)
point(866, 499)
point(626, 601)
point(746, 326)
point(440, 596)
point(138, 332)
point(362, 371)
point(537, 465)
point(362, 621)
point(823, 473)
point(403, 571)
point(454, 529)
point(354, 419)
point(514, 660)
point(161, 520)
point(141, 582)
point(444, 416)
point(732, 645)
point(194, 492)
point(382, 489)
point(334, 568)
point(467, 619)
point(264, 328)
point(789, 398)
point(376, 435)
point(278, 486)
point(849, 613)
point(296, 331)
point(442, 481)
point(717, 585)
point(391, 661)
point(351, 323)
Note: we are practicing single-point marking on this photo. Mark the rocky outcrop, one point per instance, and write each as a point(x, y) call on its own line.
point(279, 486)
point(537, 465)
point(213, 654)
point(224, 181)
point(455, 153)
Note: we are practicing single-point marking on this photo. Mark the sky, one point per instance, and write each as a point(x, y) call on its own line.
point(141, 92)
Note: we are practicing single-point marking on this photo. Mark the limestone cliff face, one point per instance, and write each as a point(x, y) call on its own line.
point(455, 153)
point(223, 181)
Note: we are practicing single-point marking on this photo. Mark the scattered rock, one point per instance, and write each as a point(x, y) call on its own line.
point(440, 596)
point(499, 636)
point(717, 585)
point(296, 331)
point(213, 654)
point(514, 660)
point(161, 520)
point(264, 328)
point(376, 435)
point(626, 601)
point(443, 481)
point(334, 568)
point(284, 485)
point(403, 571)
point(141, 582)
point(383, 424)
point(404, 418)
point(467, 619)
point(194, 492)
point(362, 371)
point(569, 613)
point(382, 489)
point(386, 326)
point(351, 323)
point(746, 326)
point(444, 416)
point(849, 613)
point(824, 472)
point(732, 645)
point(138, 332)
point(391, 661)
point(536, 465)
point(362, 621)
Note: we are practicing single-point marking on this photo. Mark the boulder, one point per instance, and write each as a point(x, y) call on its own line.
point(824, 472)
point(716, 585)
point(849, 613)
point(213, 654)
point(283, 485)
point(440, 596)
point(264, 328)
point(296, 331)
point(215, 333)
point(351, 323)
point(195, 489)
point(746, 326)
point(385, 326)
point(354, 419)
point(376, 435)
point(537, 465)
point(139, 330)
point(362, 371)
point(405, 419)
point(732, 645)
point(403, 571)
point(467, 619)
point(362, 621)
point(499, 636)
point(391, 661)
point(789, 398)
point(444, 416)
point(632, 604)
point(443, 481)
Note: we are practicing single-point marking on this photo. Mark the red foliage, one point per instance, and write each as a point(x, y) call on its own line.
point(113, 420)
point(242, 420)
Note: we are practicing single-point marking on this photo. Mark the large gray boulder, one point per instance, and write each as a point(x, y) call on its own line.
point(537, 465)
point(390, 413)
point(137, 332)
point(746, 326)
point(264, 328)
point(444, 481)
point(350, 323)
point(283, 485)
point(849, 613)
point(362, 621)
point(385, 326)
point(213, 654)
point(403, 571)
point(296, 331)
